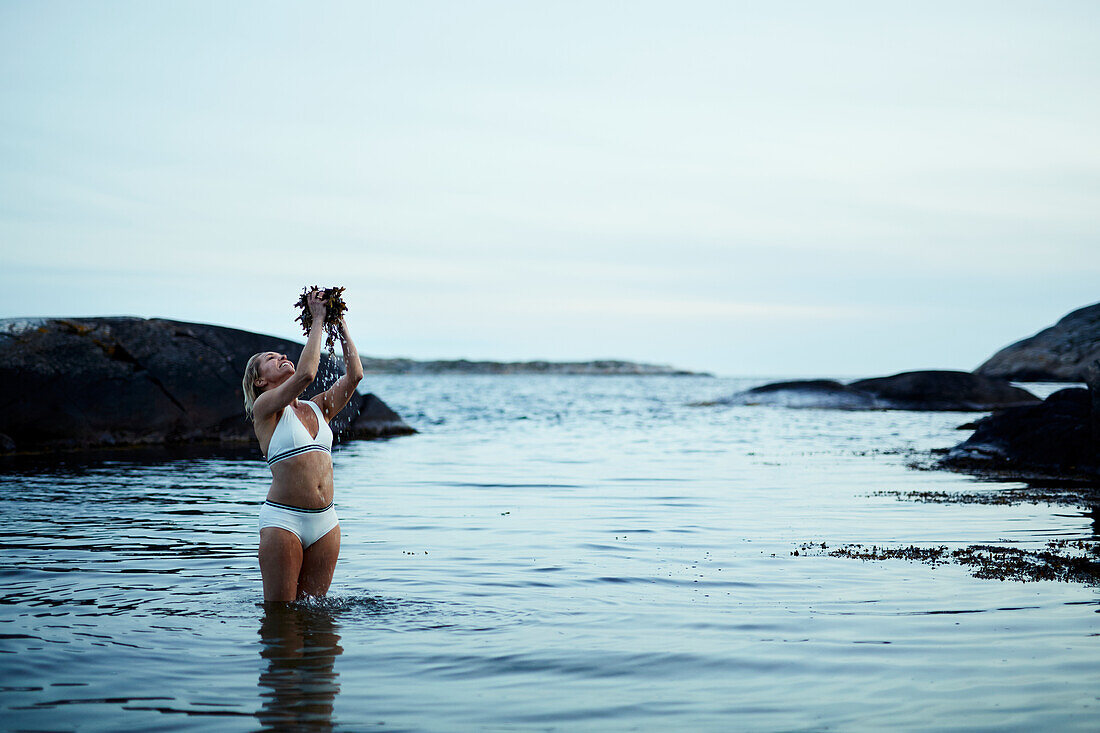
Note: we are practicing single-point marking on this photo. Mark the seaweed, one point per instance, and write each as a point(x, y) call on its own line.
point(335, 309)
point(1062, 560)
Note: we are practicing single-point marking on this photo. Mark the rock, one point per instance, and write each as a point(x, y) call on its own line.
point(819, 393)
point(1052, 438)
point(944, 391)
point(924, 390)
point(376, 420)
point(94, 382)
point(1060, 353)
point(1092, 381)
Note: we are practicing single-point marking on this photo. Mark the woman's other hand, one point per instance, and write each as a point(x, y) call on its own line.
point(317, 307)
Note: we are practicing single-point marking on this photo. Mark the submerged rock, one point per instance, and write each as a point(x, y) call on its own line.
point(72, 383)
point(1060, 353)
point(1053, 438)
point(819, 393)
point(922, 390)
point(944, 391)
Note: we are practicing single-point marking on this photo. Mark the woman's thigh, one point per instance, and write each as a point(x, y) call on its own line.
point(318, 564)
point(280, 563)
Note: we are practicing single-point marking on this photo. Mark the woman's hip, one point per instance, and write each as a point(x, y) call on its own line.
point(309, 525)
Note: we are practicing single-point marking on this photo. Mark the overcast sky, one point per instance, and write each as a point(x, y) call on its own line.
point(764, 188)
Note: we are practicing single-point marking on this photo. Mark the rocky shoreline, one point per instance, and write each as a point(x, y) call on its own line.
point(1057, 438)
point(79, 383)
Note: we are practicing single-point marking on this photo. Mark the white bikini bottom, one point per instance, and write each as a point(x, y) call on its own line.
point(309, 525)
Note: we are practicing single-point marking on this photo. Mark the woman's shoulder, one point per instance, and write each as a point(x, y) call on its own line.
point(265, 423)
point(266, 407)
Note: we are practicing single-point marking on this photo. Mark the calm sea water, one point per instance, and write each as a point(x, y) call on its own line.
point(550, 553)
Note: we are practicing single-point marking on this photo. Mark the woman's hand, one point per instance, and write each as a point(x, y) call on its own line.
point(317, 307)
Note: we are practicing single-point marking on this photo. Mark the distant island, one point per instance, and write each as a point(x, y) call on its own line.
point(600, 367)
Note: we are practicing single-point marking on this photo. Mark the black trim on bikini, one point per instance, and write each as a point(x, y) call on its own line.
point(296, 451)
point(298, 508)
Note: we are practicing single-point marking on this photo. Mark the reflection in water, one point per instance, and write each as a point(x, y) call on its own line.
point(299, 686)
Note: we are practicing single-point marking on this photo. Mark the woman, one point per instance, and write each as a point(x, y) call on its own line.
point(299, 531)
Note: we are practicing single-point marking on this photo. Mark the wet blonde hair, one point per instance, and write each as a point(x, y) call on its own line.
point(248, 384)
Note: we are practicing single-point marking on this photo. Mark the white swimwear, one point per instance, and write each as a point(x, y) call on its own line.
point(291, 437)
point(309, 525)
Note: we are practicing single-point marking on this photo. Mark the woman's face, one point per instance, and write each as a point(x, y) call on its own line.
point(274, 368)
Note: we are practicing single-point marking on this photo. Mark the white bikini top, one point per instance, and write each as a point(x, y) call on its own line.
point(291, 437)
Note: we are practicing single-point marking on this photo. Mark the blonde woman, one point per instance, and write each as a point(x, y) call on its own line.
point(299, 531)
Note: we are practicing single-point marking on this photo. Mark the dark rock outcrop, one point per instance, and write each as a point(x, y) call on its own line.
point(72, 383)
point(945, 391)
point(923, 390)
point(374, 420)
point(1053, 438)
point(1060, 353)
point(817, 393)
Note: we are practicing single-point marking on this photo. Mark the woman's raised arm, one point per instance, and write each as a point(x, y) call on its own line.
point(334, 399)
point(278, 397)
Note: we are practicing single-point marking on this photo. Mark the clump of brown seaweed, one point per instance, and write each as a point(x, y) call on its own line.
point(335, 309)
point(1062, 560)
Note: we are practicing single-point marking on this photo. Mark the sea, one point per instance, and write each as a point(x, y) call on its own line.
point(548, 553)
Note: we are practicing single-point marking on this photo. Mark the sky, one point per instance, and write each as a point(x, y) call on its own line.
point(746, 188)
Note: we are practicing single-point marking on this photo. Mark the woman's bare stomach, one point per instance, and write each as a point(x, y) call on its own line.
point(304, 481)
